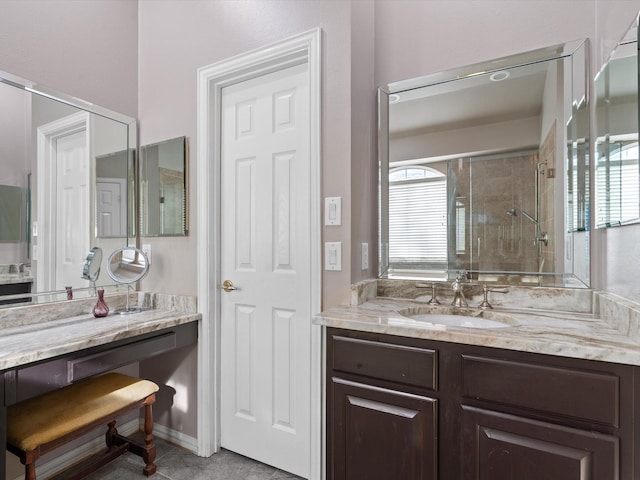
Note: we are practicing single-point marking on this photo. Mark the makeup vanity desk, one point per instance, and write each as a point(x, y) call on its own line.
point(42, 349)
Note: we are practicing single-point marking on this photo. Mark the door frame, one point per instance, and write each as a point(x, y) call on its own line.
point(302, 48)
point(47, 166)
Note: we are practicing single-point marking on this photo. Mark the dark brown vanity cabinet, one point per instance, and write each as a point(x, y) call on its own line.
point(382, 418)
point(403, 408)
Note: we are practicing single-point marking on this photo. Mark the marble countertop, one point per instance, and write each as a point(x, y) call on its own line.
point(11, 278)
point(566, 334)
point(23, 342)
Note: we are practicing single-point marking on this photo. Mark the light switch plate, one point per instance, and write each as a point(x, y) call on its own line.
point(365, 256)
point(333, 256)
point(333, 211)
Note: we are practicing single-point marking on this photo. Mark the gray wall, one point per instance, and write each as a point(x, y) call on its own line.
point(84, 48)
point(176, 39)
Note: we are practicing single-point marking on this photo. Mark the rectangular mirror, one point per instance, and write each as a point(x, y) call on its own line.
point(54, 149)
point(163, 188)
point(485, 169)
point(617, 170)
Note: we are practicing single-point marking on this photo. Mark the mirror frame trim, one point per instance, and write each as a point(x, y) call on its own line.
point(132, 139)
point(634, 26)
point(552, 52)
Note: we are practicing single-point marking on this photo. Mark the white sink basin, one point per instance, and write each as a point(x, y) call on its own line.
point(456, 317)
point(463, 321)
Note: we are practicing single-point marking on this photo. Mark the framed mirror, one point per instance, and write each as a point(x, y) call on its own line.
point(485, 169)
point(163, 188)
point(617, 168)
point(54, 151)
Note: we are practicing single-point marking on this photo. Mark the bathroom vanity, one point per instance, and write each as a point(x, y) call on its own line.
point(14, 280)
point(548, 395)
point(44, 347)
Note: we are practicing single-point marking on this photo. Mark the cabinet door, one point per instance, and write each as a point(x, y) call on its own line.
point(498, 446)
point(380, 434)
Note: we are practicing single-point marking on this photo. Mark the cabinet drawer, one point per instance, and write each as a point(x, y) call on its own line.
point(386, 361)
point(565, 392)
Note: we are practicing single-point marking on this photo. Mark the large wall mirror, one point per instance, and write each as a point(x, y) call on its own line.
point(163, 188)
point(67, 184)
point(485, 169)
point(617, 169)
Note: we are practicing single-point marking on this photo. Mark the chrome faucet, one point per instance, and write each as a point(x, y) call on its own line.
point(485, 290)
point(459, 299)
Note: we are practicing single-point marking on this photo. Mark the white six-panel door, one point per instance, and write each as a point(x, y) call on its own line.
point(63, 165)
point(72, 224)
point(265, 251)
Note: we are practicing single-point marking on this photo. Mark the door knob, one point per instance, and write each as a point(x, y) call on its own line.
point(227, 286)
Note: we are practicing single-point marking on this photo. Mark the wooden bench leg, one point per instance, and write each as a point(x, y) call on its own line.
point(30, 471)
point(111, 432)
point(149, 455)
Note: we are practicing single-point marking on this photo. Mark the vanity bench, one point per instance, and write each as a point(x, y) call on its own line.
point(42, 350)
point(44, 423)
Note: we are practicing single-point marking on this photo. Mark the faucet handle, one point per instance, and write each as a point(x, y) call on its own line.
point(485, 291)
point(434, 291)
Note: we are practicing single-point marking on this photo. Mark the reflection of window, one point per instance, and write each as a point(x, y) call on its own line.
point(417, 215)
point(461, 223)
point(618, 184)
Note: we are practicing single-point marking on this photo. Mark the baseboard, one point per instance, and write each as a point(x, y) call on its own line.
point(187, 442)
point(71, 457)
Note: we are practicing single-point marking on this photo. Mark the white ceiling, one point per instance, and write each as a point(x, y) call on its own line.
point(469, 101)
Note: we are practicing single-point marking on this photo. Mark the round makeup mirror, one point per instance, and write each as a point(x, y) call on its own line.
point(127, 265)
point(91, 269)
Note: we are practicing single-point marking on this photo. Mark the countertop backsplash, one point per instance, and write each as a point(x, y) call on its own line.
point(12, 316)
point(546, 298)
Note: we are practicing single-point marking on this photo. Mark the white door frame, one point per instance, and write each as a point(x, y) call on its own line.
point(303, 48)
point(46, 182)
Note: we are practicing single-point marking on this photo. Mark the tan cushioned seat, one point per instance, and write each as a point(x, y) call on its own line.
point(48, 417)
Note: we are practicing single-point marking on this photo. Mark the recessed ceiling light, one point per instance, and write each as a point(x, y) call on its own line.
point(499, 76)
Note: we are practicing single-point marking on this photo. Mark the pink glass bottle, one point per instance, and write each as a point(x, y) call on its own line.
point(101, 309)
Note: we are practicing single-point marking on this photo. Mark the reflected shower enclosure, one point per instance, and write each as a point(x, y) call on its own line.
point(472, 214)
point(163, 188)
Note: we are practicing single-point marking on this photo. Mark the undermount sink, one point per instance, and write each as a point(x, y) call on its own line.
point(456, 318)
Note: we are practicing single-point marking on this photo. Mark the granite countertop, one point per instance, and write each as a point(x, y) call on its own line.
point(567, 334)
point(28, 336)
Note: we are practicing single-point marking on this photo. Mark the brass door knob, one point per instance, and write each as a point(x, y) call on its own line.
point(227, 286)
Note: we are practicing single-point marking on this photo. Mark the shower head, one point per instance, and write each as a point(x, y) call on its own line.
point(514, 212)
point(541, 237)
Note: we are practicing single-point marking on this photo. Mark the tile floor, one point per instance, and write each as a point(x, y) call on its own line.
point(174, 463)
